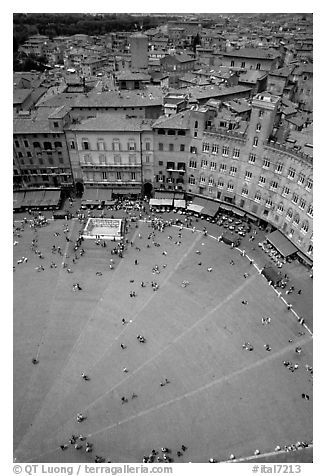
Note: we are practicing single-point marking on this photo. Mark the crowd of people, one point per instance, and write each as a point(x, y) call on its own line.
point(157, 225)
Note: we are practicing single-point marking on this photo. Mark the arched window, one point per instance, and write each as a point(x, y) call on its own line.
point(280, 208)
point(296, 220)
point(36, 144)
point(305, 227)
point(196, 124)
point(257, 196)
point(289, 214)
point(47, 145)
point(58, 144)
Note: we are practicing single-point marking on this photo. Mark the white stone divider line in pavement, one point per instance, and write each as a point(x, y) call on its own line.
point(121, 333)
point(152, 296)
point(191, 393)
point(70, 353)
point(189, 329)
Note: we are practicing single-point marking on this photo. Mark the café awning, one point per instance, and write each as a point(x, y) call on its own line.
point(154, 202)
point(166, 202)
point(239, 213)
point(225, 207)
point(179, 203)
point(281, 243)
point(194, 208)
point(210, 207)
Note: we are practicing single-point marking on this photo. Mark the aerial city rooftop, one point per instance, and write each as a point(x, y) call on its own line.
point(114, 111)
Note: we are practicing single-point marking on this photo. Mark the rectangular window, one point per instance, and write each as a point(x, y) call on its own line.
point(210, 182)
point(193, 150)
point(104, 175)
point(255, 142)
point(213, 165)
point(116, 145)
point(204, 164)
point(220, 183)
point(225, 150)
point(182, 147)
point(236, 153)
point(17, 143)
point(202, 180)
point(222, 168)
point(252, 158)
point(230, 187)
point(280, 209)
point(279, 168)
point(26, 144)
point(243, 64)
point(268, 203)
point(100, 145)
point(147, 159)
point(171, 147)
point(192, 180)
point(72, 144)
point(302, 204)
point(192, 164)
point(131, 145)
point(258, 127)
point(205, 146)
point(214, 149)
point(147, 146)
point(117, 159)
point(248, 176)
point(118, 175)
point(160, 146)
point(261, 113)
point(133, 175)
point(244, 192)
point(85, 145)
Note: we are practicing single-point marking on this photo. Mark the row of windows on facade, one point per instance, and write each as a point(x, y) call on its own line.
point(37, 145)
point(47, 171)
point(117, 160)
point(101, 145)
point(40, 160)
point(171, 132)
point(225, 149)
point(302, 179)
point(46, 178)
point(245, 192)
point(116, 176)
